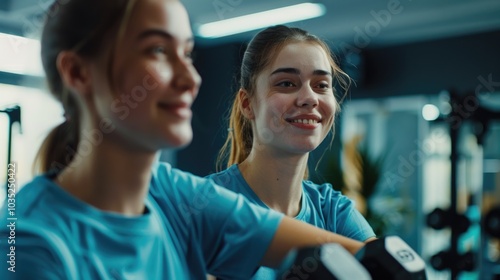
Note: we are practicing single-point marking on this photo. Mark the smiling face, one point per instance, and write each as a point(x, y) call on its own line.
point(154, 80)
point(293, 106)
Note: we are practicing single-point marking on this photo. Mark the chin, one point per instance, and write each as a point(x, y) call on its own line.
point(179, 140)
point(180, 144)
point(304, 148)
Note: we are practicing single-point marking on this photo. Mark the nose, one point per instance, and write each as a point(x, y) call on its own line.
point(307, 97)
point(186, 78)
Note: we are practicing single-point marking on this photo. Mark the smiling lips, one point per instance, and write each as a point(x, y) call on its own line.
point(181, 110)
point(305, 121)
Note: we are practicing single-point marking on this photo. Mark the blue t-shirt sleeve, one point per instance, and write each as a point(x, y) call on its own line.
point(36, 254)
point(221, 227)
point(242, 238)
point(350, 222)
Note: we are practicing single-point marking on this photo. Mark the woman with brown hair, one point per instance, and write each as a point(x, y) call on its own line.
point(284, 109)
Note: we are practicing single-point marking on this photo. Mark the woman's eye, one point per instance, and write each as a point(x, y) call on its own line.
point(324, 86)
point(158, 50)
point(286, 84)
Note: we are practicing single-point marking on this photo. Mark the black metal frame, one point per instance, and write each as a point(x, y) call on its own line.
point(14, 115)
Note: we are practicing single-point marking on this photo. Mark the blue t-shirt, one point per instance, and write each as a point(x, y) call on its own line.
point(191, 227)
point(322, 206)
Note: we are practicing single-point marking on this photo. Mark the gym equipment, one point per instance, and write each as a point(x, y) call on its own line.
point(445, 259)
point(465, 107)
point(440, 219)
point(491, 222)
point(328, 262)
point(392, 259)
point(387, 258)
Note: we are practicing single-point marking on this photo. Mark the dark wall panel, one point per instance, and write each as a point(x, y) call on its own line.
point(429, 67)
point(218, 67)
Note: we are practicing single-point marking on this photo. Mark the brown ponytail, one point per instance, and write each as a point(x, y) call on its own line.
point(239, 139)
point(84, 27)
point(57, 150)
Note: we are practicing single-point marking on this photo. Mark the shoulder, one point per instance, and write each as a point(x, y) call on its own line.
point(323, 191)
point(38, 198)
point(41, 249)
point(338, 210)
point(164, 176)
point(44, 211)
point(233, 180)
point(226, 177)
point(324, 197)
point(177, 186)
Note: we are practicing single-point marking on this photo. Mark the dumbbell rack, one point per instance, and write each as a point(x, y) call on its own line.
point(438, 219)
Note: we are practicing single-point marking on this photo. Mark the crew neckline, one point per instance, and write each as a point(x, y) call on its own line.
point(140, 224)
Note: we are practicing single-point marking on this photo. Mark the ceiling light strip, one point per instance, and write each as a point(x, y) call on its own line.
point(260, 20)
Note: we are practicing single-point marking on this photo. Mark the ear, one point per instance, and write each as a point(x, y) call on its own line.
point(245, 104)
point(74, 72)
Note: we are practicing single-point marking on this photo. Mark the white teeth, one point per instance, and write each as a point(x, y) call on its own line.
point(306, 121)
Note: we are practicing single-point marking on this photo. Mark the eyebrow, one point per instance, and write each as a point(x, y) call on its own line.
point(296, 71)
point(160, 33)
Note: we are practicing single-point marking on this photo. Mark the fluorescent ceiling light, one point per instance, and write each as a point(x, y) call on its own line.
point(260, 20)
point(20, 55)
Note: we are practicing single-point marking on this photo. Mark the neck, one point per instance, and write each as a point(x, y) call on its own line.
point(110, 177)
point(277, 181)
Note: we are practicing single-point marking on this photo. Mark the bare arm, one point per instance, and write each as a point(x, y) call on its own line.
point(293, 234)
point(370, 239)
